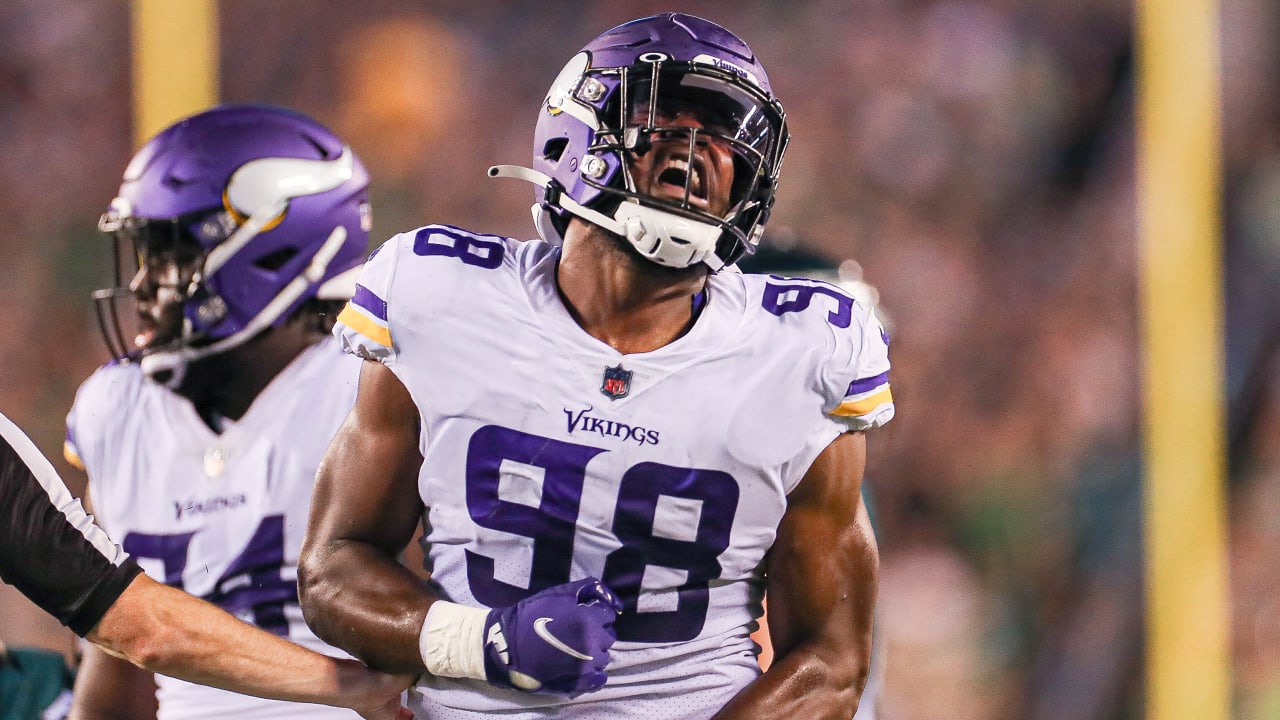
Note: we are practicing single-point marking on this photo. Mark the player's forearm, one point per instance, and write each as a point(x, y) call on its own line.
point(170, 632)
point(806, 683)
point(821, 591)
point(357, 598)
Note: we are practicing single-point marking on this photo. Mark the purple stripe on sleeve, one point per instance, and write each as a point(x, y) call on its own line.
point(365, 298)
point(857, 387)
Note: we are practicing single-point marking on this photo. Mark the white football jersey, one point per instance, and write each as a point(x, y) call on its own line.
point(549, 456)
point(219, 515)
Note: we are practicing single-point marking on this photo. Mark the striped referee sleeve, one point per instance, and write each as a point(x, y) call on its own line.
point(50, 549)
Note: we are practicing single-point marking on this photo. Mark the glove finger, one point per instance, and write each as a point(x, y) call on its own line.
point(591, 681)
point(600, 639)
point(601, 644)
point(600, 660)
point(601, 615)
point(597, 593)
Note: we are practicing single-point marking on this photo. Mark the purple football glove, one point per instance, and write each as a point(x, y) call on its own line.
point(556, 641)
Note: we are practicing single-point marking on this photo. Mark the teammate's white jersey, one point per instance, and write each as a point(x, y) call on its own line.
point(549, 456)
point(221, 516)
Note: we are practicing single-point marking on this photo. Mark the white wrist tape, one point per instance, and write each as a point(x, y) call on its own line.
point(452, 640)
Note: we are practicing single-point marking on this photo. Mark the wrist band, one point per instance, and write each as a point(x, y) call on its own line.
point(452, 640)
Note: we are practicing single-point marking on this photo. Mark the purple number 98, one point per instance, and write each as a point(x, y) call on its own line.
point(551, 527)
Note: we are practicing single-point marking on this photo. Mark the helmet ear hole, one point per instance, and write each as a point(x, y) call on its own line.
point(554, 149)
point(276, 260)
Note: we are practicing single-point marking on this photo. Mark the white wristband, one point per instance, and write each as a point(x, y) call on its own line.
point(452, 640)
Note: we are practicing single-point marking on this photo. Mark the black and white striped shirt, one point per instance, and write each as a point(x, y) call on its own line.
point(50, 549)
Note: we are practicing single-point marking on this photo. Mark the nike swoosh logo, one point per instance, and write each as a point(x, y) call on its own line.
point(540, 627)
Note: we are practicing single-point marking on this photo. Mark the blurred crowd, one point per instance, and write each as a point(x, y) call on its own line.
point(972, 160)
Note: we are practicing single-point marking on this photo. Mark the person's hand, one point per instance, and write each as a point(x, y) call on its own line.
point(389, 710)
point(379, 695)
point(556, 641)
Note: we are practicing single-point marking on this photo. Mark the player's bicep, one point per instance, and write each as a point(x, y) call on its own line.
point(109, 688)
point(370, 469)
point(822, 567)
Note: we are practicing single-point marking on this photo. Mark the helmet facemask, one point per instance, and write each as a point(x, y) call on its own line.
point(179, 289)
point(600, 126)
point(158, 271)
point(697, 153)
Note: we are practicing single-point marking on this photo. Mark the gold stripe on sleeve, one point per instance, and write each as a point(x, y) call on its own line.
point(359, 322)
point(862, 406)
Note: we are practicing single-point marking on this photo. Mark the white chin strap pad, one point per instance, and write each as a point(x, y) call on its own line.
point(666, 238)
point(662, 237)
point(166, 368)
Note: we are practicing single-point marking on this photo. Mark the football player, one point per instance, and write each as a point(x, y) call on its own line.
point(51, 550)
point(614, 444)
point(244, 227)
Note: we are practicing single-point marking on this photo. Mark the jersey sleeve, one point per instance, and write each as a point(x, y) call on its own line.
point(857, 378)
point(363, 328)
point(97, 408)
point(50, 549)
point(74, 445)
point(410, 285)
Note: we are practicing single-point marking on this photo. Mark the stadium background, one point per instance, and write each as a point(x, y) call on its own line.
point(974, 157)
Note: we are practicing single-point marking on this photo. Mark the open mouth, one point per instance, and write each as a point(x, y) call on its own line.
point(146, 336)
point(677, 173)
point(154, 329)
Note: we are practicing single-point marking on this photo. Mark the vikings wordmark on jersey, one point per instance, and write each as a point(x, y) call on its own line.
point(670, 488)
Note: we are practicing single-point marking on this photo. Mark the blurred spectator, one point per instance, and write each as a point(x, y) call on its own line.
point(34, 683)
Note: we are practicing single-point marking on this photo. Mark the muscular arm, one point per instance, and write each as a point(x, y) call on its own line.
point(165, 630)
point(821, 585)
point(109, 687)
point(100, 594)
point(355, 594)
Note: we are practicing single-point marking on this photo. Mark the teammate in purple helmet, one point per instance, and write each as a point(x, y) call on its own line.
point(240, 232)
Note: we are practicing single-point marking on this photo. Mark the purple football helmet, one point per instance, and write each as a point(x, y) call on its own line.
point(272, 206)
point(616, 96)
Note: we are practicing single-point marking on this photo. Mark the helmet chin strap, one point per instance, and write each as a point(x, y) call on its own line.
point(564, 201)
point(175, 362)
point(646, 228)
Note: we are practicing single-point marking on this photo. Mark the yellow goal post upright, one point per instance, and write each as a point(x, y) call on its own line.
point(175, 61)
point(1183, 389)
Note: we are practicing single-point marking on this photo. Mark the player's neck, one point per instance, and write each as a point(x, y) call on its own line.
point(227, 384)
point(622, 299)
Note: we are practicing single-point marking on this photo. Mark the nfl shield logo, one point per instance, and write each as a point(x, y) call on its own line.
point(617, 382)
